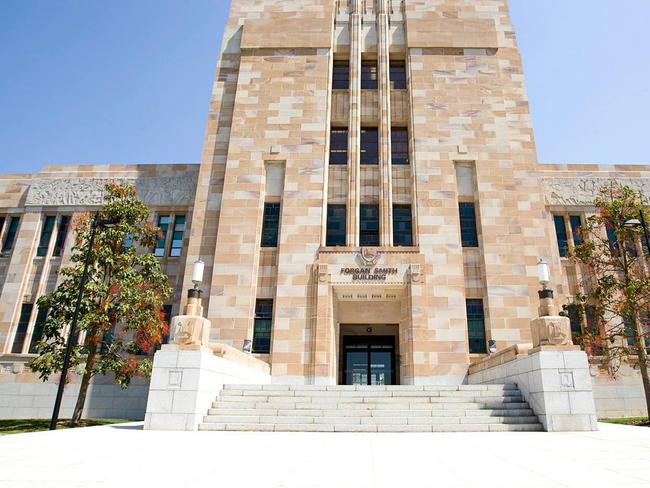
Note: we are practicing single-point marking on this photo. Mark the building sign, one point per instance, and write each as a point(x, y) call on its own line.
point(368, 274)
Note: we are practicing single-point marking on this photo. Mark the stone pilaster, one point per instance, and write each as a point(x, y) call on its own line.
point(354, 126)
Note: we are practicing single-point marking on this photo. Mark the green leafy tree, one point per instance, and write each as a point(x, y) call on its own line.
point(121, 317)
point(616, 281)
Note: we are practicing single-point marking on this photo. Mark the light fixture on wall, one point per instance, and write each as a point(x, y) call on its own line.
point(492, 346)
point(543, 273)
point(197, 273)
point(248, 346)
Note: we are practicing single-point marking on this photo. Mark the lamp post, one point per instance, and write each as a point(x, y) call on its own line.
point(547, 307)
point(640, 222)
point(75, 318)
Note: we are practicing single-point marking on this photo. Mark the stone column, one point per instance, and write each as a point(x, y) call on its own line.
point(354, 126)
point(324, 367)
point(385, 175)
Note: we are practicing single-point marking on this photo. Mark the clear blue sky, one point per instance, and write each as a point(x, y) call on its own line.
point(128, 81)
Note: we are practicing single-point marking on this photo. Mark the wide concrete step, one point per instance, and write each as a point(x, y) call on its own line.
point(369, 394)
point(376, 405)
point(336, 427)
point(507, 386)
point(494, 412)
point(276, 419)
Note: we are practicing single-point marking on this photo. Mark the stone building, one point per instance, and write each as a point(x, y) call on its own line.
point(369, 204)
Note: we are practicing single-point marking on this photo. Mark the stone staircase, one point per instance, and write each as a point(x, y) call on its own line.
point(464, 408)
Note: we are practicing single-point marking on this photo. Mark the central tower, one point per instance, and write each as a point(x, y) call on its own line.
point(367, 205)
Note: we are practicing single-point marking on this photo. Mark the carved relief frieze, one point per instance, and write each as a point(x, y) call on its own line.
point(583, 191)
point(159, 190)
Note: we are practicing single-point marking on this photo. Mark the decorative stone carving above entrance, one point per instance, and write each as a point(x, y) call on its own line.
point(583, 191)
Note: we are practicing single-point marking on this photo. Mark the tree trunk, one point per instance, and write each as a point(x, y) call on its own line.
point(85, 382)
point(642, 354)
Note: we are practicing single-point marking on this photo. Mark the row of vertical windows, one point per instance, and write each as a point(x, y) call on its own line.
point(177, 232)
point(562, 234)
point(262, 326)
point(369, 225)
point(369, 78)
point(10, 233)
point(369, 146)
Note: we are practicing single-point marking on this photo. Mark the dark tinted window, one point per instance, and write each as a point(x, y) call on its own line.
point(38, 329)
point(262, 327)
point(369, 75)
point(476, 326)
point(576, 223)
point(61, 234)
point(397, 75)
point(163, 225)
point(399, 145)
point(561, 234)
point(46, 235)
point(341, 75)
point(21, 330)
point(270, 225)
point(177, 236)
point(369, 225)
point(10, 234)
point(369, 146)
point(339, 146)
point(468, 232)
point(336, 218)
point(402, 225)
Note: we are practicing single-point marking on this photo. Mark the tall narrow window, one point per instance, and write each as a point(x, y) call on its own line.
point(341, 75)
point(177, 236)
point(163, 225)
point(339, 146)
point(369, 146)
point(2, 224)
point(61, 234)
point(468, 232)
point(336, 225)
point(369, 75)
point(369, 225)
point(21, 330)
point(262, 326)
point(476, 326)
point(402, 225)
point(46, 235)
point(38, 329)
point(576, 223)
point(613, 240)
point(575, 320)
point(167, 317)
point(270, 225)
point(561, 234)
point(10, 234)
point(398, 75)
point(399, 145)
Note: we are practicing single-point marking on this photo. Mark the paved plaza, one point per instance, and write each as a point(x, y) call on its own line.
point(125, 456)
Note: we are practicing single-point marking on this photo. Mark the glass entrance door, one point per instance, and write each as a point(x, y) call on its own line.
point(369, 360)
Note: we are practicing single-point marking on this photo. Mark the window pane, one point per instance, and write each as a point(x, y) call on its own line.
point(10, 234)
point(163, 224)
point(270, 224)
point(336, 225)
point(369, 225)
point(61, 234)
point(177, 236)
point(21, 330)
point(576, 223)
point(468, 232)
point(262, 326)
point(46, 235)
point(369, 146)
point(341, 75)
point(399, 145)
point(574, 319)
point(402, 225)
point(397, 76)
point(613, 240)
point(38, 329)
point(369, 75)
point(476, 326)
point(167, 313)
point(561, 234)
point(339, 146)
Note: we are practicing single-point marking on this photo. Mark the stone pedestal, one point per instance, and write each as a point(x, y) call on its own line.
point(186, 380)
point(556, 384)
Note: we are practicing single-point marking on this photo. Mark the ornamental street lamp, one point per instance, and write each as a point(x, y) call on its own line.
point(73, 326)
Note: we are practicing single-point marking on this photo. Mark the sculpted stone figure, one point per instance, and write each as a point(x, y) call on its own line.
point(191, 329)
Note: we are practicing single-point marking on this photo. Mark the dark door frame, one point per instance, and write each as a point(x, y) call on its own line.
point(370, 340)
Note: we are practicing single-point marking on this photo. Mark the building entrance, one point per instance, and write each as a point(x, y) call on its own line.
point(369, 360)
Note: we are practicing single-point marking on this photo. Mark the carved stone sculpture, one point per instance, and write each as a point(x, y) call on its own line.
point(551, 331)
point(191, 329)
